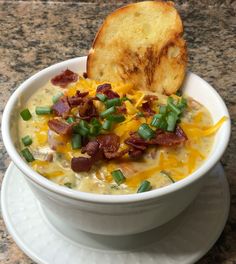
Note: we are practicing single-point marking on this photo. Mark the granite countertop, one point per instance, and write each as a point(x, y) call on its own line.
point(36, 34)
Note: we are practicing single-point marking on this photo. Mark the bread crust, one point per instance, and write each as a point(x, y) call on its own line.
point(150, 53)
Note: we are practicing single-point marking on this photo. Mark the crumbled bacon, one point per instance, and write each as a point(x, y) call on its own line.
point(81, 164)
point(103, 87)
point(106, 89)
point(121, 109)
point(116, 155)
point(61, 107)
point(169, 139)
point(85, 75)
point(109, 142)
point(87, 110)
point(136, 142)
point(65, 78)
point(75, 101)
point(60, 127)
point(147, 109)
point(135, 153)
point(91, 148)
point(79, 94)
point(150, 97)
point(161, 138)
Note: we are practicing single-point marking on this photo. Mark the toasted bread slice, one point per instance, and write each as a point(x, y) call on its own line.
point(141, 43)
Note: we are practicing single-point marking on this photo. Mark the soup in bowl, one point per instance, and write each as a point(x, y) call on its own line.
point(152, 173)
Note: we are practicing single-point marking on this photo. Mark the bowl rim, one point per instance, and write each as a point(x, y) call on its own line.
point(93, 197)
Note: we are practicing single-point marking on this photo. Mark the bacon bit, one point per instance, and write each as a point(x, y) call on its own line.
point(135, 153)
point(111, 94)
point(136, 142)
point(60, 127)
point(106, 89)
point(161, 138)
point(116, 155)
point(79, 94)
point(65, 78)
point(109, 142)
point(61, 108)
point(146, 107)
point(103, 87)
point(75, 101)
point(87, 110)
point(91, 148)
point(81, 164)
point(121, 109)
point(85, 75)
point(169, 139)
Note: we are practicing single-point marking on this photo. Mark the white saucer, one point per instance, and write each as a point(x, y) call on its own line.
point(183, 240)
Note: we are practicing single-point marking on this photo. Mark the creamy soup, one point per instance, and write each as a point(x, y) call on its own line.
point(180, 129)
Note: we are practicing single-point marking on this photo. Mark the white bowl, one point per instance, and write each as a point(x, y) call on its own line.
point(112, 214)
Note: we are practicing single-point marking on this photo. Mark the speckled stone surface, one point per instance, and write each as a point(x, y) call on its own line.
point(35, 34)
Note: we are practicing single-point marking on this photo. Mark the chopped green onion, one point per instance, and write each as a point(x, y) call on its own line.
point(145, 131)
point(27, 155)
point(168, 176)
point(70, 120)
point(107, 112)
point(76, 141)
point(43, 110)
point(27, 140)
point(68, 184)
point(95, 127)
point(113, 102)
point(25, 114)
point(162, 109)
point(107, 125)
point(101, 97)
point(116, 118)
point(144, 187)
point(163, 124)
point(156, 120)
point(174, 108)
point(171, 121)
point(178, 93)
point(56, 97)
point(170, 100)
point(182, 104)
point(118, 176)
point(82, 128)
point(125, 99)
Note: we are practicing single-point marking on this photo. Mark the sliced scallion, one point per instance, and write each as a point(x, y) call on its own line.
point(25, 114)
point(68, 184)
point(101, 97)
point(171, 121)
point(43, 110)
point(108, 111)
point(107, 125)
point(118, 176)
point(145, 131)
point(27, 155)
point(156, 120)
point(113, 102)
point(56, 97)
point(116, 118)
point(70, 120)
point(162, 109)
point(27, 140)
point(76, 141)
point(168, 176)
point(144, 187)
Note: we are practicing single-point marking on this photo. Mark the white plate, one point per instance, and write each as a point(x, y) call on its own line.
point(183, 240)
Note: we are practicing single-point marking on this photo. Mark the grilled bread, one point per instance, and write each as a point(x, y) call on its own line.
point(142, 44)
